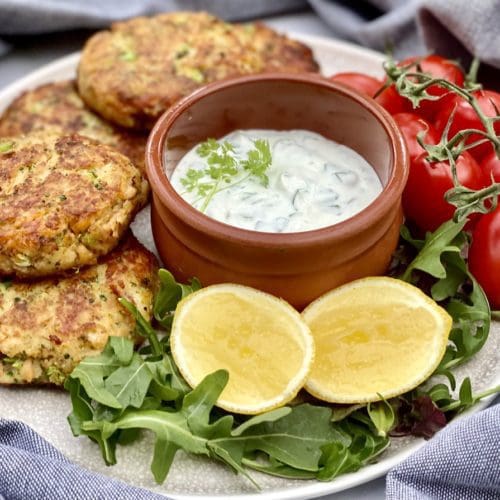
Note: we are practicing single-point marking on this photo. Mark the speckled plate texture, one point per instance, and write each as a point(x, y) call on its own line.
point(45, 410)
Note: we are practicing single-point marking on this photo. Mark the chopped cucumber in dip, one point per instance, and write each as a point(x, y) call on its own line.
point(276, 181)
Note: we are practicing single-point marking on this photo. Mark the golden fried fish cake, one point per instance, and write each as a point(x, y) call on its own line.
point(64, 202)
point(136, 70)
point(48, 326)
point(57, 107)
point(277, 52)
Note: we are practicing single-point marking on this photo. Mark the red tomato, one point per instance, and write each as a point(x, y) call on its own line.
point(358, 81)
point(484, 255)
point(368, 85)
point(423, 197)
point(465, 117)
point(437, 67)
point(393, 102)
point(410, 125)
point(491, 166)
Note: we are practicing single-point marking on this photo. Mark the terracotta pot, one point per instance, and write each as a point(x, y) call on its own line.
point(296, 266)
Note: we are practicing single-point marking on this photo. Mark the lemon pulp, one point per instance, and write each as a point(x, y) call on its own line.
point(374, 337)
point(259, 339)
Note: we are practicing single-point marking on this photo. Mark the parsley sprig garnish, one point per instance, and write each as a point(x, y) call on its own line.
point(224, 168)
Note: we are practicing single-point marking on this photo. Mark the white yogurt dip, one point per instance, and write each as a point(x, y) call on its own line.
point(313, 182)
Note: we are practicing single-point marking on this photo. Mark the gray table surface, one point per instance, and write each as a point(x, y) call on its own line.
point(31, 53)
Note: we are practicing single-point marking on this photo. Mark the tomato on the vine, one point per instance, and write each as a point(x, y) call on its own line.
point(491, 166)
point(437, 67)
point(423, 197)
point(364, 84)
point(465, 117)
point(484, 255)
point(368, 85)
point(410, 125)
point(393, 102)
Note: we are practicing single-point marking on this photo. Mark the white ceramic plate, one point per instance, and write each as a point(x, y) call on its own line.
point(45, 410)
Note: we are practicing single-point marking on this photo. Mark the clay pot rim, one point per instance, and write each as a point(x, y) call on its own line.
point(387, 200)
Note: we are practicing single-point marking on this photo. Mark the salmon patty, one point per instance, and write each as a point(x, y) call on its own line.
point(64, 202)
point(48, 326)
point(56, 107)
point(132, 73)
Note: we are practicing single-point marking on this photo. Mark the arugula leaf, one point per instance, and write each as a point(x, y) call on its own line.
point(176, 380)
point(198, 404)
point(338, 458)
point(163, 456)
point(294, 440)
point(275, 468)
point(161, 385)
point(169, 294)
point(339, 412)
point(174, 429)
point(232, 456)
point(102, 364)
point(129, 384)
point(123, 349)
point(435, 245)
point(449, 286)
point(91, 377)
point(170, 426)
point(142, 326)
point(440, 258)
point(83, 411)
point(82, 407)
point(472, 323)
point(270, 416)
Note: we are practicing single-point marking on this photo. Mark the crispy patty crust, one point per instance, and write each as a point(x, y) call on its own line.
point(56, 107)
point(64, 201)
point(47, 327)
point(133, 72)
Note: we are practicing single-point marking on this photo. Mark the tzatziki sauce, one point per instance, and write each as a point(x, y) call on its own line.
point(312, 182)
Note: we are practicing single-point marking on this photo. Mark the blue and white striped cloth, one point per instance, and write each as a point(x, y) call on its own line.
point(32, 469)
point(461, 462)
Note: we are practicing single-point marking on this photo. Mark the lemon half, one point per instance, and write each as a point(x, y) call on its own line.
point(259, 339)
point(374, 336)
